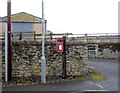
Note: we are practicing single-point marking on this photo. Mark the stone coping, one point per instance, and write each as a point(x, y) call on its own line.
point(48, 42)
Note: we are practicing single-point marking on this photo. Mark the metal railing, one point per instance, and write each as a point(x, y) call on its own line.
point(92, 37)
point(92, 50)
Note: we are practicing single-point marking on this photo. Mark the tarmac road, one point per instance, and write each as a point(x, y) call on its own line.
point(107, 67)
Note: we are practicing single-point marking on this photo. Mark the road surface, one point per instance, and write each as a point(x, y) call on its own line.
point(107, 67)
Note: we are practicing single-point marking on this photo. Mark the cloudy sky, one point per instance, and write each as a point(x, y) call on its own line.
point(74, 16)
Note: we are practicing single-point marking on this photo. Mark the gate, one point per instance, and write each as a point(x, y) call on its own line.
point(92, 50)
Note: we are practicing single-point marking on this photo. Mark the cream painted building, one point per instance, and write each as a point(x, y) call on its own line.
point(23, 22)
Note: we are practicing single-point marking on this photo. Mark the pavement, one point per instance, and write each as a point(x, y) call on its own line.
point(107, 67)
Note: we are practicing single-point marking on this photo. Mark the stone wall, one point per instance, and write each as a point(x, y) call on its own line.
point(109, 50)
point(107, 53)
point(26, 58)
point(106, 50)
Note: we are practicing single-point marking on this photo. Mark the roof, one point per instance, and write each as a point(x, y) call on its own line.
point(23, 17)
point(48, 31)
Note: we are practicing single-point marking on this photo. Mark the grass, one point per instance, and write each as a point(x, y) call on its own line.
point(95, 77)
point(82, 78)
point(32, 41)
point(69, 79)
point(78, 78)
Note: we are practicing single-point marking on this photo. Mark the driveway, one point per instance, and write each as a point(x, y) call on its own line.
point(108, 68)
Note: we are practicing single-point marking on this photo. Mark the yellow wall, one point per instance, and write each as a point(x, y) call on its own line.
point(22, 17)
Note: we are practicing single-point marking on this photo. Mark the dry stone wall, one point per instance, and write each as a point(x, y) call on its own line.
point(26, 58)
point(107, 50)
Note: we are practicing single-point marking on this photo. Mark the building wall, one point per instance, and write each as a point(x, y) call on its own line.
point(25, 27)
point(22, 27)
point(24, 22)
point(37, 27)
point(3, 27)
point(11, 27)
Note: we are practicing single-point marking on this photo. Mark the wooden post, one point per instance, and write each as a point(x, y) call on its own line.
point(66, 35)
point(86, 38)
point(51, 36)
point(9, 39)
point(20, 36)
point(64, 58)
point(12, 35)
point(34, 35)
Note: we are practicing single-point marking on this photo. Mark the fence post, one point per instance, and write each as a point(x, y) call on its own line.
point(51, 36)
point(96, 50)
point(64, 58)
point(107, 39)
point(34, 35)
point(20, 36)
point(66, 35)
point(12, 35)
point(86, 38)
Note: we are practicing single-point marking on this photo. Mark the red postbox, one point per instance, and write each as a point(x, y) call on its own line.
point(59, 45)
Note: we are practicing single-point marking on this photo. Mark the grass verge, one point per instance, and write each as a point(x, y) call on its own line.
point(95, 77)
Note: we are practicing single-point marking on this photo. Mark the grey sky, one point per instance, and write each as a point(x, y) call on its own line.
point(75, 16)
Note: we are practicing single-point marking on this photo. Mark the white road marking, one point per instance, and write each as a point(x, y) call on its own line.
point(97, 85)
point(96, 90)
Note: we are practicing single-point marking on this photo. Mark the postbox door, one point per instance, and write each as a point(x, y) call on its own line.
point(60, 47)
point(59, 43)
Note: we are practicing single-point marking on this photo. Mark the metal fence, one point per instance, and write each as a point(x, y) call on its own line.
point(93, 37)
point(92, 50)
